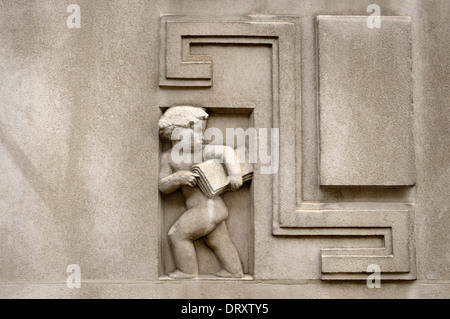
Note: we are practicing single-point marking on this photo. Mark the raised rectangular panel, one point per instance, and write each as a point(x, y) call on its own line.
point(366, 106)
point(392, 223)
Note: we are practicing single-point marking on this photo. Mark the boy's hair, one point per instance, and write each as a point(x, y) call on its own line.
point(180, 116)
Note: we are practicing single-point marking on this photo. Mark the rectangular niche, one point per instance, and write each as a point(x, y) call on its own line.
point(239, 203)
point(366, 107)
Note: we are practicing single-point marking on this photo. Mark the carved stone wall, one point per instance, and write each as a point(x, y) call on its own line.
point(373, 148)
point(363, 146)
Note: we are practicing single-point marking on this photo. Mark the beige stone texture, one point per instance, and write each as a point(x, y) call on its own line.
point(366, 105)
point(80, 152)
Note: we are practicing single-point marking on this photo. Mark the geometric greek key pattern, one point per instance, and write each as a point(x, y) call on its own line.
point(292, 216)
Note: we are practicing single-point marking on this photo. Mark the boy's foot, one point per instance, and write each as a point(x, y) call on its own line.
point(225, 274)
point(178, 274)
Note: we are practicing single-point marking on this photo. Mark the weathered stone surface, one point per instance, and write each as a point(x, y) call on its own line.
point(80, 150)
point(366, 105)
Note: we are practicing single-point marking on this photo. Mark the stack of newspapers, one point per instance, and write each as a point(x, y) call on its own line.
point(213, 180)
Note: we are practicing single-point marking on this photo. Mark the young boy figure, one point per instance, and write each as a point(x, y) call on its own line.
point(205, 217)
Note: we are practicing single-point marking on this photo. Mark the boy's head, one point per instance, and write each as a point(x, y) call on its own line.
point(180, 117)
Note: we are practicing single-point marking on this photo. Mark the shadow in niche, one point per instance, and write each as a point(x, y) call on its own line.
point(240, 219)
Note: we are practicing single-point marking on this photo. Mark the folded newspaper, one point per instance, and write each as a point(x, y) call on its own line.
point(213, 180)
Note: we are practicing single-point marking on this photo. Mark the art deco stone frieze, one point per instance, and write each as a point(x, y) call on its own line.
point(363, 117)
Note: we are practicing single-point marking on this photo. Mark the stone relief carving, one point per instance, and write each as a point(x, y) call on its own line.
point(206, 212)
point(308, 206)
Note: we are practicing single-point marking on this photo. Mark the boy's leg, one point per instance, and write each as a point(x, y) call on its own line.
point(220, 242)
point(193, 224)
point(185, 257)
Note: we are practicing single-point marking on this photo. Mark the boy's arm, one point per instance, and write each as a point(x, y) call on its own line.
point(233, 168)
point(228, 156)
point(170, 182)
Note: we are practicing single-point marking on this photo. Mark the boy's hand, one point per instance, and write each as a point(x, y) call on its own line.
point(235, 182)
point(187, 178)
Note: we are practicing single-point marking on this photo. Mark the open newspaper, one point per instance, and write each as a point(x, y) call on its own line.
point(213, 180)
